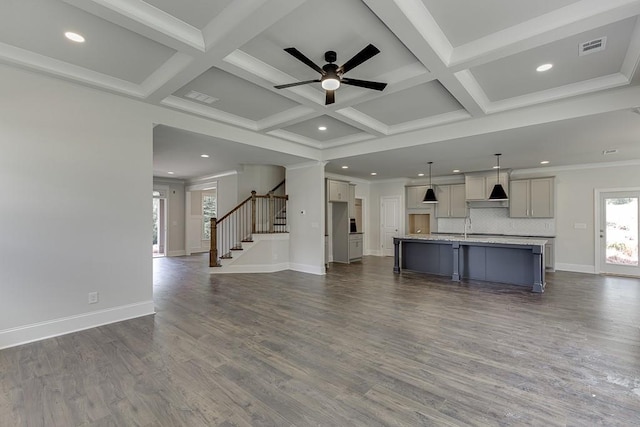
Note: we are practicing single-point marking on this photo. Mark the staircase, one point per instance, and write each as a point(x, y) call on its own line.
point(257, 214)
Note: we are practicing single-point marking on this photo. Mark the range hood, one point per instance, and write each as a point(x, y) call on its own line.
point(488, 203)
point(479, 185)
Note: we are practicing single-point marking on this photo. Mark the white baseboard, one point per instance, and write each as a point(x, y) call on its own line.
point(177, 253)
point(576, 268)
point(305, 268)
point(373, 252)
point(258, 268)
point(66, 325)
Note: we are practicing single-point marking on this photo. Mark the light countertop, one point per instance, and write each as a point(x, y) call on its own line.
point(477, 239)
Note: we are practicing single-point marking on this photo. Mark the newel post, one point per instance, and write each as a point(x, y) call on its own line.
point(272, 212)
point(253, 212)
point(213, 251)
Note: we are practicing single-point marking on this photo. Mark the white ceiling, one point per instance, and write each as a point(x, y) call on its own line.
point(461, 77)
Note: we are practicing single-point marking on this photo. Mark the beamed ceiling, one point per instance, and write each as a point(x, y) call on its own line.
point(461, 75)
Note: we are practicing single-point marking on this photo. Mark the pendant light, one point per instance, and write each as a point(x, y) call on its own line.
point(498, 192)
point(430, 196)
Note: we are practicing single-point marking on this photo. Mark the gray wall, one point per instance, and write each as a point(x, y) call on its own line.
point(77, 169)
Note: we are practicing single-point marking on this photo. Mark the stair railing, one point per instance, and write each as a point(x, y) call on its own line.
point(256, 214)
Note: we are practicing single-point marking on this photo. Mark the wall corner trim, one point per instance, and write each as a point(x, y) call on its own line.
point(66, 325)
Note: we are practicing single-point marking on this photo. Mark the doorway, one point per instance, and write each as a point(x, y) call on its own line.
point(390, 222)
point(159, 244)
point(618, 232)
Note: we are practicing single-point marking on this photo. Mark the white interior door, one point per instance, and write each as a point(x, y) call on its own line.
point(619, 219)
point(389, 222)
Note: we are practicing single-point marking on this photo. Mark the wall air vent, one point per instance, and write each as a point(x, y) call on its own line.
point(592, 46)
point(198, 96)
point(609, 151)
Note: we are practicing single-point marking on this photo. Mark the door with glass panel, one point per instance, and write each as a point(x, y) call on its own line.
point(619, 233)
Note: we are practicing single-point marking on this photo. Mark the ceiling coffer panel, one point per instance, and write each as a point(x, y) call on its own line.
point(315, 30)
point(236, 96)
point(419, 102)
point(333, 129)
point(516, 75)
point(39, 26)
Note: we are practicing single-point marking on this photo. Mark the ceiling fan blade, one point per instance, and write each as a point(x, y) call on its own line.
point(300, 57)
point(364, 55)
point(296, 84)
point(364, 83)
point(331, 97)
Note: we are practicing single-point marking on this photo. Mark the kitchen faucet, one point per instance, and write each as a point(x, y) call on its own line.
point(467, 221)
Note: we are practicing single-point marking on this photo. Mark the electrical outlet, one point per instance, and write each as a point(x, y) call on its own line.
point(93, 297)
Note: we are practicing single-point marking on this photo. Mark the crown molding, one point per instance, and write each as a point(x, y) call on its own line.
point(149, 16)
point(554, 169)
point(36, 61)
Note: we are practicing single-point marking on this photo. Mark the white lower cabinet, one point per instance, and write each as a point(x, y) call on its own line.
point(355, 247)
point(549, 254)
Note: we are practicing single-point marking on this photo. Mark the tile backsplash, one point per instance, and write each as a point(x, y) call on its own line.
point(497, 221)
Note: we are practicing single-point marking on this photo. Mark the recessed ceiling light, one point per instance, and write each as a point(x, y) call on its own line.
point(74, 37)
point(345, 167)
point(456, 170)
point(544, 162)
point(204, 156)
point(322, 128)
point(374, 173)
point(544, 67)
point(170, 173)
point(420, 174)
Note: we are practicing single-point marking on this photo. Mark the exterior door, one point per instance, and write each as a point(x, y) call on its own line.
point(619, 213)
point(389, 222)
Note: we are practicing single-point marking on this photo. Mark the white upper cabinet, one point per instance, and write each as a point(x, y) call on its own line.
point(415, 195)
point(451, 201)
point(532, 198)
point(338, 191)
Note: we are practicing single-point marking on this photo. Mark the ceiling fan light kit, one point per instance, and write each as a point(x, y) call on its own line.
point(332, 75)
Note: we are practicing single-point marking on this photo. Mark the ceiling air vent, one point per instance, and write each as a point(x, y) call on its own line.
point(592, 46)
point(609, 151)
point(198, 96)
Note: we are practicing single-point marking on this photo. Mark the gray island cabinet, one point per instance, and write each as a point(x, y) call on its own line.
point(493, 259)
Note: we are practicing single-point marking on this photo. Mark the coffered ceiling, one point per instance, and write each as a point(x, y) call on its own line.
point(461, 74)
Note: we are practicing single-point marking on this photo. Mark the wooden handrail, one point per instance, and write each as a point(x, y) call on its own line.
point(272, 196)
point(233, 230)
point(277, 186)
point(234, 209)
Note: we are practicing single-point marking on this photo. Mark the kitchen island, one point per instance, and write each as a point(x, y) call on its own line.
point(493, 259)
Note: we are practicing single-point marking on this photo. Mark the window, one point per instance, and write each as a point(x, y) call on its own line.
point(208, 212)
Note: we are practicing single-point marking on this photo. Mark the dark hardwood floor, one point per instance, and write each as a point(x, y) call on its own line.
point(359, 346)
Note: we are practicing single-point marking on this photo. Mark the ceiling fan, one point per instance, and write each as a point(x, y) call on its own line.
point(331, 74)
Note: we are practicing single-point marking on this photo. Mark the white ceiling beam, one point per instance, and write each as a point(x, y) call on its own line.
point(411, 23)
point(146, 20)
point(241, 21)
point(553, 26)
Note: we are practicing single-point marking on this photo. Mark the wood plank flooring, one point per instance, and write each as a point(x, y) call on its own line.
point(357, 347)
